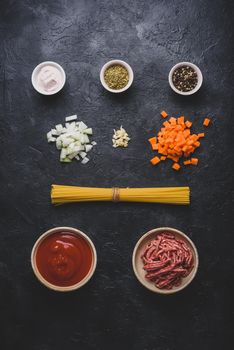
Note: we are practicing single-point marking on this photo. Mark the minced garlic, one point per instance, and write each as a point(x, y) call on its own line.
point(120, 138)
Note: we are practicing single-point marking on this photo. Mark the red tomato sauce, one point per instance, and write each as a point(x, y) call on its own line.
point(64, 259)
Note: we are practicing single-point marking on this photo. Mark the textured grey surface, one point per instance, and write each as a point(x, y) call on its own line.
point(113, 310)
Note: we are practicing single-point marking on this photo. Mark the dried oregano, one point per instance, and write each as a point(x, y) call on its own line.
point(116, 77)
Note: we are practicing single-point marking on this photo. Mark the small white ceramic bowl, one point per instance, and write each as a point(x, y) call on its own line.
point(36, 71)
point(125, 65)
point(43, 280)
point(199, 78)
point(138, 264)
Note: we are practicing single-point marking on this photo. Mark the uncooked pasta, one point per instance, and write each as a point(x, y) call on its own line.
point(169, 195)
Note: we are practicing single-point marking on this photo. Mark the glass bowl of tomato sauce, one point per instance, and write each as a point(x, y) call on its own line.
point(64, 259)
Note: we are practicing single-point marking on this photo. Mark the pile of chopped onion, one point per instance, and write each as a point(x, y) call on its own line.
point(72, 140)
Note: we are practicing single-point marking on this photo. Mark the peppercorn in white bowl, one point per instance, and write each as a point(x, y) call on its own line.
point(185, 78)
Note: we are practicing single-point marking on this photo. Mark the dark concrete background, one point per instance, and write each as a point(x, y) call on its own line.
point(114, 311)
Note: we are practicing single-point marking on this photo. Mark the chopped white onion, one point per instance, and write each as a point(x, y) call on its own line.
point(82, 126)
point(67, 141)
point(85, 138)
point(58, 144)
point(65, 160)
point(88, 148)
point(85, 160)
point(72, 155)
point(71, 117)
point(52, 139)
point(83, 154)
point(63, 153)
point(59, 128)
point(72, 140)
point(88, 131)
point(54, 132)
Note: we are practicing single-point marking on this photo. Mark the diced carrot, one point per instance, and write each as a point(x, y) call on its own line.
point(185, 149)
point(178, 127)
point(170, 151)
point(188, 124)
point(174, 140)
point(179, 154)
point(206, 122)
point(161, 141)
point(197, 144)
point(180, 120)
point(166, 124)
point(181, 143)
point(155, 146)
point(191, 149)
point(153, 142)
point(173, 121)
point(177, 149)
point(194, 137)
point(194, 161)
point(190, 142)
point(162, 151)
point(169, 140)
point(175, 159)
point(176, 166)
point(164, 114)
point(186, 133)
point(173, 134)
point(155, 160)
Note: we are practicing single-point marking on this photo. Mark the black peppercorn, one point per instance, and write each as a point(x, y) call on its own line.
point(185, 78)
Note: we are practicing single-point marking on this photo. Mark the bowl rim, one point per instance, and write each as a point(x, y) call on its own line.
point(51, 285)
point(193, 272)
point(199, 76)
point(111, 63)
point(35, 72)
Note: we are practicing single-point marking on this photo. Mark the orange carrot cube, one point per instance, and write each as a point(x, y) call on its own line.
point(173, 121)
point(164, 114)
point(166, 124)
point(188, 124)
point(153, 140)
point(206, 122)
point(194, 161)
point(186, 133)
point(180, 120)
point(197, 144)
point(176, 166)
point(155, 160)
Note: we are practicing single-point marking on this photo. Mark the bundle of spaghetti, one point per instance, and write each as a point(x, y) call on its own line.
point(169, 195)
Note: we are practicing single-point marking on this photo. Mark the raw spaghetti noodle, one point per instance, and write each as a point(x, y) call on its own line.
point(169, 195)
